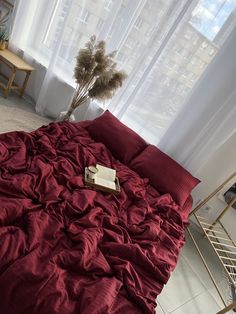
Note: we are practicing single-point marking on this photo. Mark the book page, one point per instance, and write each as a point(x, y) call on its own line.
point(105, 173)
point(105, 183)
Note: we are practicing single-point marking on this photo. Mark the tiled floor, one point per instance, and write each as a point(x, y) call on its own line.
point(16, 114)
point(14, 100)
point(190, 289)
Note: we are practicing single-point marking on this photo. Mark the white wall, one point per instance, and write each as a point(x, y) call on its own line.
point(217, 169)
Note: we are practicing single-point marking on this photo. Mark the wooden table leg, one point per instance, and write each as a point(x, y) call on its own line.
point(25, 83)
point(9, 84)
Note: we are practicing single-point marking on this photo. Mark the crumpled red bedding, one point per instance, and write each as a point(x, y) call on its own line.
point(65, 248)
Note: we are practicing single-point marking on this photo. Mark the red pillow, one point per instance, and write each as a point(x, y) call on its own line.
point(165, 174)
point(124, 143)
point(186, 209)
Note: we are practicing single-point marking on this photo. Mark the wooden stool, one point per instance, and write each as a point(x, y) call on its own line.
point(14, 63)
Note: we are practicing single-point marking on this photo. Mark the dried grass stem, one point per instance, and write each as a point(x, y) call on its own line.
point(95, 74)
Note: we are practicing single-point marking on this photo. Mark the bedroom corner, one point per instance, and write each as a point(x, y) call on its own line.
point(117, 156)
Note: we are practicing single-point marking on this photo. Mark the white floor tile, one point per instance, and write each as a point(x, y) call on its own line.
point(192, 257)
point(190, 289)
point(159, 309)
point(14, 100)
point(201, 304)
point(216, 296)
point(182, 287)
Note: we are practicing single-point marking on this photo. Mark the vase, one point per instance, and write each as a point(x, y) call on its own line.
point(62, 116)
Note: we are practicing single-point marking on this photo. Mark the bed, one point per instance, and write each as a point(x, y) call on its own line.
point(66, 248)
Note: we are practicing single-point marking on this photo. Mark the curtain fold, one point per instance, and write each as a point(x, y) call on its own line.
point(179, 56)
point(208, 118)
point(179, 19)
point(46, 90)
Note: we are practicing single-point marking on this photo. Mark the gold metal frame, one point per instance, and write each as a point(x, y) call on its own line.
point(220, 241)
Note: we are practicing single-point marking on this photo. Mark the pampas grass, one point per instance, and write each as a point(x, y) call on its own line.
point(96, 75)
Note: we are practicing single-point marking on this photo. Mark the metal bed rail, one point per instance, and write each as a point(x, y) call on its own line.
point(221, 242)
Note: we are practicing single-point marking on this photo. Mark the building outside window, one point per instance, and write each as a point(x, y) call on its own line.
point(84, 16)
point(211, 52)
point(188, 35)
point(192, 46)
point(108, 5)
point(204, 45)
point(100, 24)
point(138, 23)
point(131, 43)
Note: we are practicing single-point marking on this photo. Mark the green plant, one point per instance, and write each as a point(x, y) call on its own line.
point(3, 34)
point(96, 75)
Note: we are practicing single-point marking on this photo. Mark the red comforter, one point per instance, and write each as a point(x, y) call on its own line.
point(65, 248)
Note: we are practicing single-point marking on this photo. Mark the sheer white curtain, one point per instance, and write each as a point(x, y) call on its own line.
point(208, 118)
point(169, 49)
point(50, 33)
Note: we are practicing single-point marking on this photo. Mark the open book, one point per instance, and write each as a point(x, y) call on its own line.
point(102, 178)
point(105, 177)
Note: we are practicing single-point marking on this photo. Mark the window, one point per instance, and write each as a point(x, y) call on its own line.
point(202, 64)
point(204, 45)
point(181, 51)
point(166, 81)
point(137, 77)
point(150, 31)
point(185, 74)
point(170, 64)
point(194, 77)
point(183, 57)
point(108, 5)
point(188, 34)
point(84, 16)
point(180, 89)
point(138, 23)
point(100, 24)
point(177, 68)
point(68, 33)
point(195, 41)
point(211, 52)
point(131, 43)
point(47, 36)
point(194, 60)
point(121, 57)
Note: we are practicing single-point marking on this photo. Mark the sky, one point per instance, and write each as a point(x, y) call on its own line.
point(209, 16)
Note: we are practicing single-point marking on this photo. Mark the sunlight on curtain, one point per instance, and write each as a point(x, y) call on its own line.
point(164, 46)
point(153, 99)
